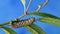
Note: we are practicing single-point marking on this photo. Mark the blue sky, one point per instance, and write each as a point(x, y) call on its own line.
point(11, 9)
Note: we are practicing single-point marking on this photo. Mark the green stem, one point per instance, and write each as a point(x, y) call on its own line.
point(4, 24)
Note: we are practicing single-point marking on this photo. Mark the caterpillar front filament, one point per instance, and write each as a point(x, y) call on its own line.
point(21, 23)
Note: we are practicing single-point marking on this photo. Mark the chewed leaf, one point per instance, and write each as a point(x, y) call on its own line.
point(8, 30)
point(23, 2)
point(34, 29)
point(49, 20)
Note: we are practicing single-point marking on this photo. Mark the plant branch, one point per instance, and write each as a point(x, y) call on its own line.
point(25, 10)
point(28, 5)
point(40, 6)
point(45, 3)
point(22, 16)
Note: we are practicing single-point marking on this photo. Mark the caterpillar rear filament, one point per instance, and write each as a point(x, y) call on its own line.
point(21, 23)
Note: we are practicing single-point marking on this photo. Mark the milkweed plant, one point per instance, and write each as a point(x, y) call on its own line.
point(28, 23)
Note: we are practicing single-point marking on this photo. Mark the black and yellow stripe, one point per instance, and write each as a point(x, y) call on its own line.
point(21, 23)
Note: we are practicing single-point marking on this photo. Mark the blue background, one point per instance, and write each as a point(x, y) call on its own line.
point(11, 9)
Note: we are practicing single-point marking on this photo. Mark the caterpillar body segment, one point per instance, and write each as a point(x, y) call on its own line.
point(21, 23)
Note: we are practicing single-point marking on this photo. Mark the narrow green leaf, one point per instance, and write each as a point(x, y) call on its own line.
point(8, 30)
point(43, 14)
point(4, 24)
point(23, 2)
point(49, 20)
point(34, 29)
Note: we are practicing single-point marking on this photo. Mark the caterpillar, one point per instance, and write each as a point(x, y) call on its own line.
point(21, 23)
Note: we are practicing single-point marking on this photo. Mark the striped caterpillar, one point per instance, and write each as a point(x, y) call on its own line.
point(21, 23)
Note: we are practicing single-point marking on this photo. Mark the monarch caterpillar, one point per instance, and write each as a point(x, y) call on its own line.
point(21, 23)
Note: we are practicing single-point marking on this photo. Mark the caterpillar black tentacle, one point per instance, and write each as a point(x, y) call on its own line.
point(21, 23)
